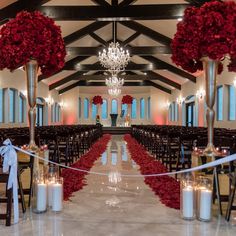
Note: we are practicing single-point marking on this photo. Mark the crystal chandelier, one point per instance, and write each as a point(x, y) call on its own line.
point(114, 81)
point(114, 91)
point(114, 59)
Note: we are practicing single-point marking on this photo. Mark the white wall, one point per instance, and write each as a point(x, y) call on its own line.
point(189, 88)
point(158, 101)
point(17, 80)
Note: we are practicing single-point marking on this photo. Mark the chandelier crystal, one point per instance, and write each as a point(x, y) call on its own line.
point(115, 58)
point(114, 81)
point(114, 91)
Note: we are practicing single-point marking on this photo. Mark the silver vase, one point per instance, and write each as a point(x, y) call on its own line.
point(210, 69)
point(31, 69)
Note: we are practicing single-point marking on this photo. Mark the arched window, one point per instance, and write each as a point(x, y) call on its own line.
point(173, 111)
point(86, 108)
point(142, 108)
point(176, 106)
point(232, 103)
point(170, 112)
point(104, 109)
point(40, 111)
point(56, 112)
point(12, 105)
point(134, 109)
point(114, 106)
point(80, 107)
point(22, 108)
point(220, 103)
point(94, 111)
point(124, 109)
point(149, 108)
point(1, 105)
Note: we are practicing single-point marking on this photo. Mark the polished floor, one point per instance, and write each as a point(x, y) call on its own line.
point(115, 205)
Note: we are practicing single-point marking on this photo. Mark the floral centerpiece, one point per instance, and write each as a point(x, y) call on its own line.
point(97, 100)
point(204, 38)
point(32, 35)
point(127, 99)
point(34, 41)
point(208, 31)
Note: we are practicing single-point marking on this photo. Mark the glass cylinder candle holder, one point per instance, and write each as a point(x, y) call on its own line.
point(187, 202)
point(39, 197)
point(53, 171)
point(57, 195)
point(204, 199)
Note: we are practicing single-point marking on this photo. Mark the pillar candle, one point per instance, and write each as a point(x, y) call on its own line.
point(188, 202)
point(50, 188)
point(41, 197)
point(57, 195)
point(205, 204)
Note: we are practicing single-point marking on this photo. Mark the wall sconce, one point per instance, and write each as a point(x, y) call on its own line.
point(24, 92)
point(49, 100)
point(180, 100)
point(167, 105)
point(200, 93)
point(62, 104)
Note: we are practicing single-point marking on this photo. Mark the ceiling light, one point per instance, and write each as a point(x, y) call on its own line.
point(115, 58)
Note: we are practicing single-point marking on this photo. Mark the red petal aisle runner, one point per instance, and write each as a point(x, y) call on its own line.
point(75, 180)
point(166, 187)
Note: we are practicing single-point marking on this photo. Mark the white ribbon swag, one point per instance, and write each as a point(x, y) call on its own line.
point(10, 166)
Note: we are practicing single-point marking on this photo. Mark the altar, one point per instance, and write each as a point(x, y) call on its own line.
point(116, 130)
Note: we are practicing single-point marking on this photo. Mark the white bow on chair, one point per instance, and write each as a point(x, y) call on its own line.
point(10, 164)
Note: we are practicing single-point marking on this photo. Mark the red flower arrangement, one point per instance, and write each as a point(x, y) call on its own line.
point(166, 187)
point(208, 31)
point(127, 99)
point(97, 100)
point(31, 35)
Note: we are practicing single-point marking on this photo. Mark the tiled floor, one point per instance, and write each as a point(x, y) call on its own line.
point(116, 206)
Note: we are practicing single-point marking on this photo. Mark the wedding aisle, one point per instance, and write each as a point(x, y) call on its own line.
point(115, 205)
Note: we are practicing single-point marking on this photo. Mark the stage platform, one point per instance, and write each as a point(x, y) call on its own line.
point(116, 130)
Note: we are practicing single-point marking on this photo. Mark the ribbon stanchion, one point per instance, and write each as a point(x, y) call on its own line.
point(207, 165)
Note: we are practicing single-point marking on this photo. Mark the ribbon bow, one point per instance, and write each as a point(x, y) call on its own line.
point(10, 165)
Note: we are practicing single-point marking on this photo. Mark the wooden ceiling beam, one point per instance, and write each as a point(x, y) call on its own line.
point(101, 3)
point(131, 38)
point(98, 39)
point(170, 68)
point(147, 32)
point(115, 13)
point(125, 3)
point(126, 84)
point(84, 31)
point(93, 51)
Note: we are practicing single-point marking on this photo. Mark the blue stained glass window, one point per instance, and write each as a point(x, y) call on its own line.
point(104, 109)
point(114, 106)
point(142, 108)
point(176, 110)
point(149, 108)
point(232, 103)
point(1, 105)
point(86, 108)
point(220, 103)
point(124, 107)
point(134, 109)
point(12, 97)
point(94, 111)
point(173, 111)
point(170, 113)
point(21, 109)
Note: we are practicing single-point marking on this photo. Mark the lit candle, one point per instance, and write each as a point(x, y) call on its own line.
point(188, 202)
point(205, 204)
point(57, 195)
point(217, 149)
point(41, 197)
point(50, 189)
point(195, 149)
point(224, 151)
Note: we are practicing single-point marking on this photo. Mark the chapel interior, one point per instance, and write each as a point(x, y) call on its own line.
point(107, 134)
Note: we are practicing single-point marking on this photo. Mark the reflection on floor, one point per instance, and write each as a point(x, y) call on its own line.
point(115, 205)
